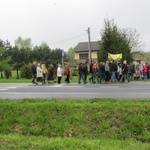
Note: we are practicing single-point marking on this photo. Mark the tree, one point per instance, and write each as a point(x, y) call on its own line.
point(113, 41)
point(1, 43)
point(70, 56)
point(23, 43)
point(19, 58)
point(41, 54)
point(133, 38)
point(4, 66)
point(44, 45)
point(3, 58)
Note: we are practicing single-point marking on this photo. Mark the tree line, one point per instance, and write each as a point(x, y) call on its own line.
point(15, 57)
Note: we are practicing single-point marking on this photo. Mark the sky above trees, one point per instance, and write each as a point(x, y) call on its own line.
point(63, 24)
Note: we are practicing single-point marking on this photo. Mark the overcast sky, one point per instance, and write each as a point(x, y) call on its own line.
point(63, 23)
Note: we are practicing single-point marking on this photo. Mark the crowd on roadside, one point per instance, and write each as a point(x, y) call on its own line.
point(42, 75)
point(104, 72)
point(108, 72)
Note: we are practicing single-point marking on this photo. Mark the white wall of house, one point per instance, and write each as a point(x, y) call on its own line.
point(94, 55)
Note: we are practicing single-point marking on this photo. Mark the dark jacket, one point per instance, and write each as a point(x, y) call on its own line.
point(113, 67)
point(85, 69)
point(124, 68)
point(80, 69)
point(91, 68)
point(130, 69)
point(33, 69)
point(102, 69)
point(50, 71)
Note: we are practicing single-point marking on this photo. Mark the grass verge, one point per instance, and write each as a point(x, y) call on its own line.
point(75, 124)
point(20, 142)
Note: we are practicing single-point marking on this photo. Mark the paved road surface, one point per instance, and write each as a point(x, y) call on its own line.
point(74, 90)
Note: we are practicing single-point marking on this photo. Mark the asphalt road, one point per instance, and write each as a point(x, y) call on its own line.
point(74, 90)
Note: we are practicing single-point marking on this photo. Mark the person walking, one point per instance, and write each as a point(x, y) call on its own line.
point(80, 74)
point(102, 72)
point(85, 71)
point(33, 72)
point(44, 72)
point(124, 72)
point(39, 74)
point(91, 71)
point(95, 72)
point(137, 70)
point(67, 73)
point(59, 73)
point(145, 71)
point(113, 70)
point(130, 71)
point(50, 73)
point(107, 72)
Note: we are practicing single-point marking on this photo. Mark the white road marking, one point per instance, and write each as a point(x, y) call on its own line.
point(3, 89)
point(6, 88)
point(54, 93)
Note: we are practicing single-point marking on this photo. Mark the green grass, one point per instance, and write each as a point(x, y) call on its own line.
point(14, 79)
point(20, 142)
point(23, 80)
point(75, 124)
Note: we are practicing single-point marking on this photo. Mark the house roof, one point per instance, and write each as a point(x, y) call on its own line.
point(83, 46)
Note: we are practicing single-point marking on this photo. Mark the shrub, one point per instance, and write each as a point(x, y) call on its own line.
point(8, 73)
point(26, 71)
point(74, 71)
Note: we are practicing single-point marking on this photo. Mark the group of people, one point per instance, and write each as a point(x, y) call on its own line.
point(142, 71)
point(112, 72)
point(104, 72)
point(41, 74)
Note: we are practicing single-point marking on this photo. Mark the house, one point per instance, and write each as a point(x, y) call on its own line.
point(81, 52)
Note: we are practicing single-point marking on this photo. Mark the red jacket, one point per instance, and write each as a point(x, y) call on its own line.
point(145, 68)
point(67, 70)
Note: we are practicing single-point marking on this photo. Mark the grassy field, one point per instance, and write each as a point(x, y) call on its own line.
point(70, 124)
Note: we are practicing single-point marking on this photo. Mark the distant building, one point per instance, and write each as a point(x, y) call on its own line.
point(81, 52)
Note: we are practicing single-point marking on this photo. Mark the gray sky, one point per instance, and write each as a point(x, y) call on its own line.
point(63, 23)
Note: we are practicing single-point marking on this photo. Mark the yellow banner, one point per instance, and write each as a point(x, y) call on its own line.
point(114, 56)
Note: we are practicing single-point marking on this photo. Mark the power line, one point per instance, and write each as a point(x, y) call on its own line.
point(68, 39)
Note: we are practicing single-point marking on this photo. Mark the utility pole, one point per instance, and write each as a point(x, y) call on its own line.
point(62, 54)
point(88, 30)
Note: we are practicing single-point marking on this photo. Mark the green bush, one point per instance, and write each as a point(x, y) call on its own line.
point(26, 71)
point(74, 71)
